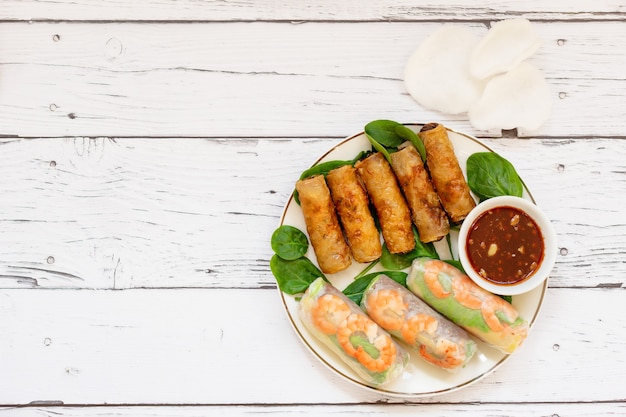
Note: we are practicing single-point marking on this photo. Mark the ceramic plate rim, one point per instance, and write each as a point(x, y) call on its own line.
point(354, 379)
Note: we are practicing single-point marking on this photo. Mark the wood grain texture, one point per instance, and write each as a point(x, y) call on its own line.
point(129, 213)
point(389, 10)
point(147, 149)
point(194, 346)
point(270, 79)
point(382, 409)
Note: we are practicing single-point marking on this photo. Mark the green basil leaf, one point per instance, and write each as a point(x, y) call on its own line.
point(507, 298)
point(323, 168)
point(355, 290)
point(411, 136)
point(294, 277)
point(384, 132)
point(396, 262)
point(289, 242)
point(379, 147)
point(490, 175)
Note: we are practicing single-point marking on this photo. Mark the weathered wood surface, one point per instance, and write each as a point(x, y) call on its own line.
point(382, 409)
point(272, 10)
point(271, 79)
point(133, 213)
point(147, 150)
point(236, 346)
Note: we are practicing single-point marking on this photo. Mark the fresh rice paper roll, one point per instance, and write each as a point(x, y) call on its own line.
point(329, 244)
point(436, 339)
point(339, 323)
point(386, 197)
point(426, 211)
point(481, 313)
point(354, 213)
point(446, 172)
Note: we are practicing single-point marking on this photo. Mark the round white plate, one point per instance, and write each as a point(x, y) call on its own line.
point(419, 378)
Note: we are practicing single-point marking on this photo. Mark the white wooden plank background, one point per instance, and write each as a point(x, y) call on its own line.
point(96, 205)
point(209, 10)
point(270, 79)
point(187, 347)
point(147, 149)
point(383, 409)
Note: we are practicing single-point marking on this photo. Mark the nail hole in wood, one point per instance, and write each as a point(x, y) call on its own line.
point(47, 341)
point(560, 167)
point(53, 164)
point(56, 37)
point(563, 251)
point(562, 95)
point(50, 259)
point(560, 42)
point(53, 107)
point(72, 116)
point(556, 347)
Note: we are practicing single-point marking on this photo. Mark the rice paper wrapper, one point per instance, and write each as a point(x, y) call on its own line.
point(405, 316)
point(339, 324)
point(481, 313)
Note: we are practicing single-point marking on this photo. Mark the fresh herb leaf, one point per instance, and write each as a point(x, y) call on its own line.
point(289, 242)
point(294, 277)
point(490, 175)
point(355, 290)
point(323, 168)
point(379, 147)
point(385, 133)
point(411, 136)
point(396, 262)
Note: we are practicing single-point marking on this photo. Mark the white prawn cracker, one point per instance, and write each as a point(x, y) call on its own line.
point(437, 74)
point(520, 98)
point(339, 324)
point(507, 44)
point(433, 338)
point(454, 72)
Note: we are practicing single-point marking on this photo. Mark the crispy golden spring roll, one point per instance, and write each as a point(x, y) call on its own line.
point(428, 215)
point(446, 173)
point(385, 194)
point(354, 213)
point(329, 244)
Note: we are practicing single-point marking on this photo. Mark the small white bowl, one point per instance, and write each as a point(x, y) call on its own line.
point(549, 242)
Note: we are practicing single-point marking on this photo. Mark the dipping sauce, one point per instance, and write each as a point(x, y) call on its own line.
point(504, 245)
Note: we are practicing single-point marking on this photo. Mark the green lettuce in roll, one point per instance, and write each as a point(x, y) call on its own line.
point(481, 313)
point(349, 333)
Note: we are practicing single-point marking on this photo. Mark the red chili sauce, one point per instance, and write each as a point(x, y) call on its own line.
point(505, 245)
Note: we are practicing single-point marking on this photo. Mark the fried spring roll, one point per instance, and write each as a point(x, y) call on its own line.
point(354, 214)
point(329, 244)
point(436, 339)
point(445, 172)
point(428, 215)
point(338, 323)
point(481, 313)
point(385, 194)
